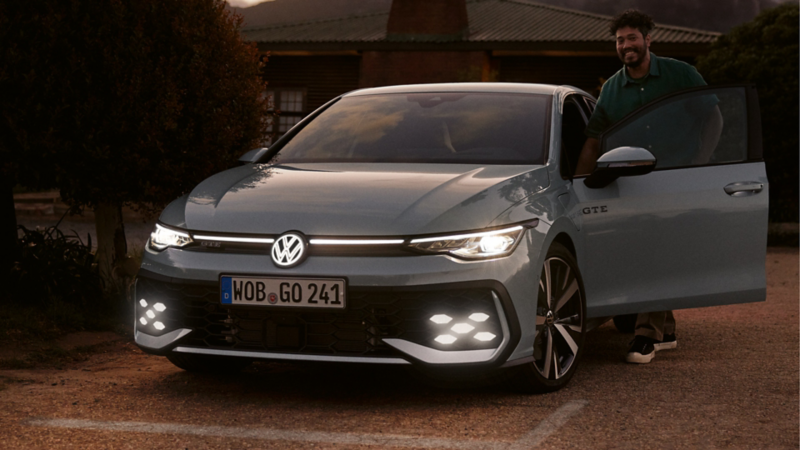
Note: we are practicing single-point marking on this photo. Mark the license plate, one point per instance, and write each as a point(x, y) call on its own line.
point(278, 292)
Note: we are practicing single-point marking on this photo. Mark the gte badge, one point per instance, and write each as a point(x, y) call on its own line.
point(595, 209)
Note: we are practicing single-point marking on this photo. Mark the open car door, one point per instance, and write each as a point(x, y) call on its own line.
point(692, 232)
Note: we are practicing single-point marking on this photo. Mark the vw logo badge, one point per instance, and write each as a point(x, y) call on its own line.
point(289, 250)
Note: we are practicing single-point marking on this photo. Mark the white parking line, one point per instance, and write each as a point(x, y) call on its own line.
point(549, 425)
point(531, 439)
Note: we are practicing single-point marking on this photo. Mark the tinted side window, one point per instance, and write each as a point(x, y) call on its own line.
point(589, 104)
point(692, 129)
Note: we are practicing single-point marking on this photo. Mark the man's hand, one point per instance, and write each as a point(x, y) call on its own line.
point(588, 159)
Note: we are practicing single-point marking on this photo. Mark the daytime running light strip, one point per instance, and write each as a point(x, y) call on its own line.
point(467, 236)
point(348, 241)
point(173, 231)
point(355, 242)
point(235, 239)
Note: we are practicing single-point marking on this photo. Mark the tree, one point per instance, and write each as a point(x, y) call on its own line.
point(764, 52)
point(126, 101)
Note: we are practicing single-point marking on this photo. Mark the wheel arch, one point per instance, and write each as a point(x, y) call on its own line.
point(565, 233)
point(565, 240)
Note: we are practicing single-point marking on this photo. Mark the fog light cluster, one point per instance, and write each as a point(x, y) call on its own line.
point(151, 314)
point(462, 328)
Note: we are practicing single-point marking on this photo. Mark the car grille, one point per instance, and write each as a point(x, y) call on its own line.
point(371, 315)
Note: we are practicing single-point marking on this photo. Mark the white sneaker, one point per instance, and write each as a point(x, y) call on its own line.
point(669, 342)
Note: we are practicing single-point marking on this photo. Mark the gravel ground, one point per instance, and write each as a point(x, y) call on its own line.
point(732, 383)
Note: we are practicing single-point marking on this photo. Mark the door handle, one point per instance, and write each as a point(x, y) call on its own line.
point(744, 188)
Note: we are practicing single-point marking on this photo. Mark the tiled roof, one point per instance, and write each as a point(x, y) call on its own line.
point(490, 21)
point(367, 28)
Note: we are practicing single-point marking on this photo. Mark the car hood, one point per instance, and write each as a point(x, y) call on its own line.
point(337, 199)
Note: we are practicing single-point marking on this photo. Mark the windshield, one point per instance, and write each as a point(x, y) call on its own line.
point(460, 128)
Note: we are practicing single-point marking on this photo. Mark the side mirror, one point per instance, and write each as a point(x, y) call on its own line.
point(620, 162)
point(253, 155)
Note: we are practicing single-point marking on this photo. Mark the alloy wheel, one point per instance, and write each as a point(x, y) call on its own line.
point(559, 320)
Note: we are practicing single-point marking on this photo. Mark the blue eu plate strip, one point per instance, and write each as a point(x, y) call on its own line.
point(226, 293)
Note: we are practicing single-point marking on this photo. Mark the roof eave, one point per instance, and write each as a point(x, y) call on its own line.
point(498, 48)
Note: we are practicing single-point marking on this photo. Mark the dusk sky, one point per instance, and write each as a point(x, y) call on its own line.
point(245, 3)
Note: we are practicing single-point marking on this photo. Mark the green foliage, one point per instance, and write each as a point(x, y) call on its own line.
point(126, 101)
point(765, 52)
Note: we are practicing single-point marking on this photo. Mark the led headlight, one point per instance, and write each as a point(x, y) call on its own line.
point(478, 245)
point(163, 237)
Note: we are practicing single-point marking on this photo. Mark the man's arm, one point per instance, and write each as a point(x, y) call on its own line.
point(588, 158)
point(709, 138)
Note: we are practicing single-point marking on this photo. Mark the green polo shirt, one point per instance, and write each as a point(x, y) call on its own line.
point(622, 94)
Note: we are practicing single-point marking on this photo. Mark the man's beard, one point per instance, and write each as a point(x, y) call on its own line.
point(640, 52)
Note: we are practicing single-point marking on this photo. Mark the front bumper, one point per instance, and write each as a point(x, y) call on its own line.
point(387, 320)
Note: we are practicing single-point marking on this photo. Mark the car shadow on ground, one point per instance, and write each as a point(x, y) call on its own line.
point(365, 384)
point(356, 385)
point(605, 346)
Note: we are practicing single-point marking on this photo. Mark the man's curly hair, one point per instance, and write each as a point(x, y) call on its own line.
point(634, 19)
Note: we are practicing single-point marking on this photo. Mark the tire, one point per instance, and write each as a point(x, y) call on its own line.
point(208, 363)
point(625, 323)
point(560, 326)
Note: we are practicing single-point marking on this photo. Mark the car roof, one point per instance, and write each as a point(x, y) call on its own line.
point(515, 88)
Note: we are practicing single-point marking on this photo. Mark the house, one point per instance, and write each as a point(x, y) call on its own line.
point(425, 41)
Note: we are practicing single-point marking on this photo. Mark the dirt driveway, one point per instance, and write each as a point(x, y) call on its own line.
point(732, 383)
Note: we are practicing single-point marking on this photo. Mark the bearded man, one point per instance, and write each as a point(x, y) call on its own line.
point(643, 78)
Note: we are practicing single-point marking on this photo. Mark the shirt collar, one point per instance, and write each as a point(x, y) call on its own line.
point(653, 69)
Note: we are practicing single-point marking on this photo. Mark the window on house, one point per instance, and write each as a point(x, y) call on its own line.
point(290, 106)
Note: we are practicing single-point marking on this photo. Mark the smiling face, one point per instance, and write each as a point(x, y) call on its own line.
point(632, 47)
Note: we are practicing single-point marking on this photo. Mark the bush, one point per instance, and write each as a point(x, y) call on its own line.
point(56, 276)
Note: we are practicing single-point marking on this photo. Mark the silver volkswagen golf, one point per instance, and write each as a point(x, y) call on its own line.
point(443, 227)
